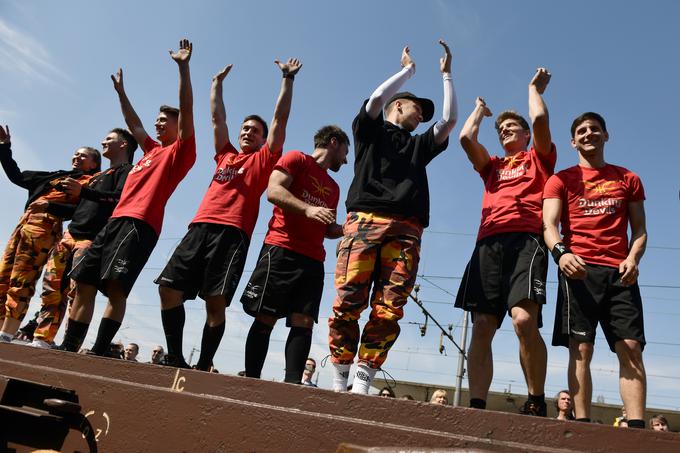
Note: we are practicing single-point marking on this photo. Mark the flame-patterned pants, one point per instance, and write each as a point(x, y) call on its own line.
point(23, 261)
point(57, 291)
point(382, 251)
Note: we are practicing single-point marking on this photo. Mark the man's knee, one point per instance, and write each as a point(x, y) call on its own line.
point(484, 326)
point(301, 320)
point(581, 351)
point(524, 319)
point(116, 292)
point(629, 353)
point(266, 320)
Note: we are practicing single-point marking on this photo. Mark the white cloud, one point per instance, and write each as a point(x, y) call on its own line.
point(26, 56)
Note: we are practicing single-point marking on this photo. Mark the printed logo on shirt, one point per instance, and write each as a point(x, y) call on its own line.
point(513, 167)
point(602, 205)
point(321, 192)
point(227, 174)
point(144, 163)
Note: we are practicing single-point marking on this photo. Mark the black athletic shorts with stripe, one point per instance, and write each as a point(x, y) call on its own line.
point(600, 298)
point(284, 282)
point(208, 262)
point(504, 270)
point(119, 252)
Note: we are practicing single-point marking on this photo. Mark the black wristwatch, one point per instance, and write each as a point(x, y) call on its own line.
point(288, 75)
point(558, 250)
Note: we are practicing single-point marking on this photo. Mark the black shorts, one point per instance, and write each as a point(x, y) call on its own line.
point(208, 262)
point(504, 270)
point(600, 298)
point(119, 252)
point(284, 282)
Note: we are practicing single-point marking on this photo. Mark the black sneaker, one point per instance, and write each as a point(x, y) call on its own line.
point(175, 361)
point(536, 409)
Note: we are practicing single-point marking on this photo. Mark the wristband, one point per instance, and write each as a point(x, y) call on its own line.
point(288, 75)
point(558, 250)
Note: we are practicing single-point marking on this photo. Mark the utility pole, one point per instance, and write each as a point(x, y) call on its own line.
point(461, 361)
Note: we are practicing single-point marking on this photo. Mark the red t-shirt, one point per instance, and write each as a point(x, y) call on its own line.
point(595, 210)
point(233, 197)
point(314, 186)
point(513, 187)
point(155, 177)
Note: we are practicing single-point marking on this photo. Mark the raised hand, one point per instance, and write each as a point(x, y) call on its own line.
point(320, 214)
point(406, 58)
point(480, 103)
point(4, 135)
point(183, 54)
point(223, 73)
point(445, 61)
point(573, 266)
point(290, 67)
point(118, 81)
point(540, 80)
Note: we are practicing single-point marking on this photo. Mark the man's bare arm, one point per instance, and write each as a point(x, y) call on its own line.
point(277, 133)
point(218, 113)
point(476, 152)
point(538, 111)
point(571, 265)
point(185, 124)
point(278, 194)
point(131, 119)
point(333, 231)
point(629, 268)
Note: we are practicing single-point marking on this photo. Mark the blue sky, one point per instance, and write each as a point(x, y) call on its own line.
point(616, 58)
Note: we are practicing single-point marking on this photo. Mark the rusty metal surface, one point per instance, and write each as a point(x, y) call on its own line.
point(140, 407)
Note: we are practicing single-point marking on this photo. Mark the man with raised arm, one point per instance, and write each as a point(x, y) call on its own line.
point(598, 268)
point(121, 249)
point(98, 198)
point(508, 268)
point(38, 229)
point(388, 205)
point(288, 279)
point(210, 259)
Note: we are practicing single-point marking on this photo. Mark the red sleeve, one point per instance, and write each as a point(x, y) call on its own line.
point(227, 148)
point(635, 190)
point(484, 172)
point(185, 153)
point(291, 162)
point(554, 188)
point(548, 160)
point(149, 145)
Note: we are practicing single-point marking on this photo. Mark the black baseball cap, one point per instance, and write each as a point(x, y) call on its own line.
point(425, 104)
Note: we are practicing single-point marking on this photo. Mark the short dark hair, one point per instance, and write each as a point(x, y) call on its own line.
point(511, 114)
point(588, 116)
point(96, 156)
point(168, 110)
point(309, 358)
point(658, 418)
point(258, 118)
point(129, 139)
point(323, 136)
point(557, 397)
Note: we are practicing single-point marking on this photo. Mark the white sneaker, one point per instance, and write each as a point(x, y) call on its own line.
point(41, 344)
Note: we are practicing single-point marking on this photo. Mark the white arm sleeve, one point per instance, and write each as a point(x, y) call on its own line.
point(445, 125)
point(389, 88)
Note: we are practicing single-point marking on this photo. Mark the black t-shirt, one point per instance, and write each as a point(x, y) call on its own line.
point(97, 201)
point(389, 168)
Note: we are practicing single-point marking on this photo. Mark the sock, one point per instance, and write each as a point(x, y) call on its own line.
point(298, 344)
point(584, 420)
point(537, 399)
point(107, 330)
point(257, 345)
point(173, 326)
point(363, 378)
point(636, 424)
point(478, 403)
point(209, 343)
point(340, 376)
point(74, 335)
